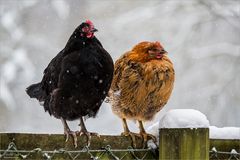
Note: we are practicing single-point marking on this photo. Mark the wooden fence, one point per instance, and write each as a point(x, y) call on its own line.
point(173, 144)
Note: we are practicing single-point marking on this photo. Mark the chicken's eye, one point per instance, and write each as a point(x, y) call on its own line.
point(85, 29)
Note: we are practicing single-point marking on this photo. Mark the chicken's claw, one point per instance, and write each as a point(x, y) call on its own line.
point(73, 135)
point(145, 136)
point(88, 135)
point(133, 137)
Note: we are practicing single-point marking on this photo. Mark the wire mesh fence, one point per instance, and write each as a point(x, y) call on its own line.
point(214, 154)
point(12, 152)
point(53, 146)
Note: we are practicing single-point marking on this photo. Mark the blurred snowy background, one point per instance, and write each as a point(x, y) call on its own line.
point(201, 36)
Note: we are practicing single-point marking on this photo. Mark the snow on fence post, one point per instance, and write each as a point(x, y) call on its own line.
point(183, 143)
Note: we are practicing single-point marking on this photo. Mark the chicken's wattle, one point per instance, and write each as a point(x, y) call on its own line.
point(159, 56)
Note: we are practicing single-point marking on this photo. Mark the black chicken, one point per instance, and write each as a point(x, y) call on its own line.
point(76, 81)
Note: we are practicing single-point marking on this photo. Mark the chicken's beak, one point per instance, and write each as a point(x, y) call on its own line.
point(94, 30)
point(163, 51)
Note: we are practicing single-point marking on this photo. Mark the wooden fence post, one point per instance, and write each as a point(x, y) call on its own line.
point(184, 143)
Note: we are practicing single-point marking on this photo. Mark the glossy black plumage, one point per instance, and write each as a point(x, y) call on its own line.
point(77, 80)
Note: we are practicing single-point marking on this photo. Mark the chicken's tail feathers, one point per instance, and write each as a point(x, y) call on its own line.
point(35, 91)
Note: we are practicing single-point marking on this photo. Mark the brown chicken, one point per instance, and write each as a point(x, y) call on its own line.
point(142, 84)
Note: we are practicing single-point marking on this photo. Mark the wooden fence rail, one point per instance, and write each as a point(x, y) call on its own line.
point(53, 146)
point(173, 144)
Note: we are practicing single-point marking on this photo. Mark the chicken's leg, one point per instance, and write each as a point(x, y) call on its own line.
point(68, 132)
point(127, 132)
point(145, 135)
point(83, 131)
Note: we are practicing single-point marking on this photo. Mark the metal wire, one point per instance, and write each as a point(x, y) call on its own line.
point(12, 153)
point(218, 155)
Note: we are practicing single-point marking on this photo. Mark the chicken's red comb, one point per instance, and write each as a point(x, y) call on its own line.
point(89, 22)
point(157, 43)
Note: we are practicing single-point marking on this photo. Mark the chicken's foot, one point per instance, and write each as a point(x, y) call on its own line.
point(127, 132)
point(68, 132)
point(83, 131)
point(145, 135)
